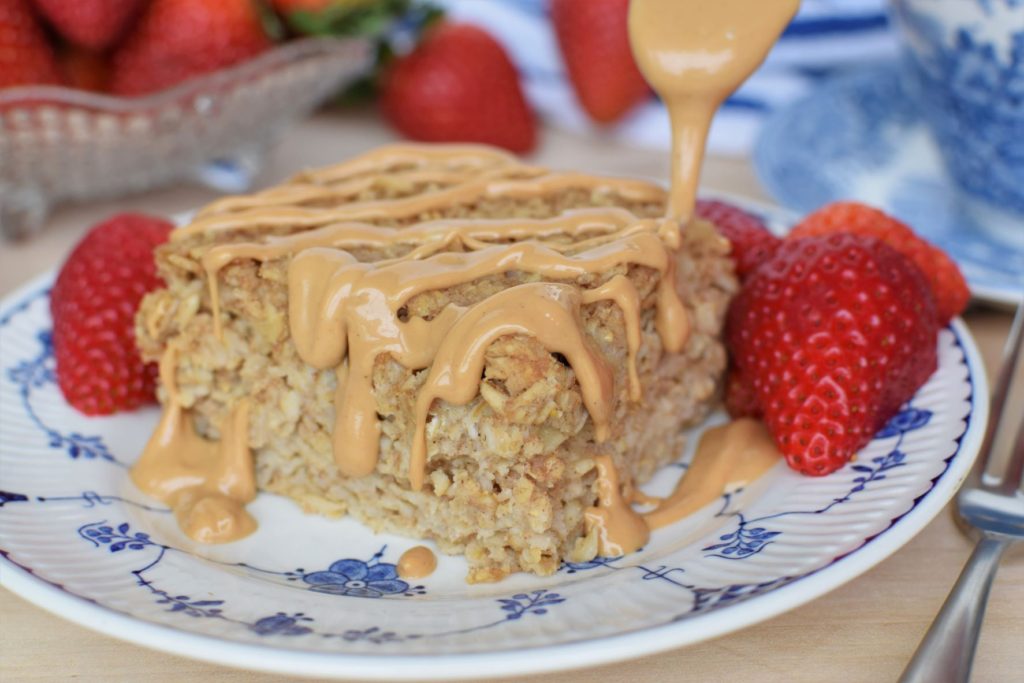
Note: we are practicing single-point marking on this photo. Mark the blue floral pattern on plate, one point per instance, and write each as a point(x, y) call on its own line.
point(749, 539)
point(345, 597)
point(373, 579)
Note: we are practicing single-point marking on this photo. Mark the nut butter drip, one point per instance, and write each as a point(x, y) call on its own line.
point(548, 312)
point(206, 483)
point(728, 458)
point(408, 207)
point(417, 562)
point(439, 165)
point(597, 225)
point(345, 313)
point(411, 155)
point(695, 53)
point(620, 529)
point(341, 309)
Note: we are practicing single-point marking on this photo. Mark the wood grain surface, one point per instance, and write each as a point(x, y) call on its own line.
point(863, 631)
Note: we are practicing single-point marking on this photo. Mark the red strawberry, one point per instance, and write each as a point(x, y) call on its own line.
point(944, 277)
point(458, 85)
point(834, 333)
point(179, 39)
point(93, 304)
point(25, 56)
point(91, 24)
point(594, 39)
point(740, 399)
point(752, 244)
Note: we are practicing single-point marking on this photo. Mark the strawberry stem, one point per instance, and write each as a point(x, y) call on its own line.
point(394, 26)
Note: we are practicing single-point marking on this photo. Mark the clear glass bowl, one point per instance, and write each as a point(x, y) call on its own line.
point(61, 144)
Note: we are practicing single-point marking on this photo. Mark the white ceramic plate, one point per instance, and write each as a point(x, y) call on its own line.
point(307, 595)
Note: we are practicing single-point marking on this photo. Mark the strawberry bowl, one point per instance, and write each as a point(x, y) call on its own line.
point(59, 144)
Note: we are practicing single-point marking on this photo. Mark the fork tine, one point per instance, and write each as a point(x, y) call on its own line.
point(1015, 472)
point(1008, 367)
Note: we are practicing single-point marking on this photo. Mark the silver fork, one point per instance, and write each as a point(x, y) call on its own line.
point(991, 504)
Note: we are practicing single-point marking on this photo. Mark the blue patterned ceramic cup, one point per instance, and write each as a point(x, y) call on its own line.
point(965, 62)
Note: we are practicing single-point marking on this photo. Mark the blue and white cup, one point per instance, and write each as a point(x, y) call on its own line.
point(965, 65)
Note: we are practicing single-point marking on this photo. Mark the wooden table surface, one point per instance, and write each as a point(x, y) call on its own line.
point(863, 631)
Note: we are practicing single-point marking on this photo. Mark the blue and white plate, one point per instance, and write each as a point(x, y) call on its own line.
point(860, 137)
point(308, 595)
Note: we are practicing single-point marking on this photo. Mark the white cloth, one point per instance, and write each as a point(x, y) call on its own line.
point(826, 35)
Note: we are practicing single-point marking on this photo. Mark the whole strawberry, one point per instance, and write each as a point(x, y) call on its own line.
point(594, 39)
point(25, 56)
point(942, 273)
point(90, 24)
point(179, 39)
point(752, 244)
point(93, 305)
point(458, 85)
point(833, 334)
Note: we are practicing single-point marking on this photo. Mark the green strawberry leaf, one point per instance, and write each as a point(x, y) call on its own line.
point(382, 21)
point(349, 18)
point(390, 22)
point(272, 24)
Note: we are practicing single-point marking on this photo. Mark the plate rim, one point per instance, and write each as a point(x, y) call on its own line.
point(584, 654)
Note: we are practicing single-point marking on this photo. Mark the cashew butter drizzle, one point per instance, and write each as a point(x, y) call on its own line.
point(695, 53)
point(345, 313)
point(206, 483)
point(728, 458)
point(417, 562)
point(620, 529)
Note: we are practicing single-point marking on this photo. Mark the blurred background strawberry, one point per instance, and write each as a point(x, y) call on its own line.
point(26, 57)
point(178, 39)
point(90, 24)
point(458, 85)
point(594, 40)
